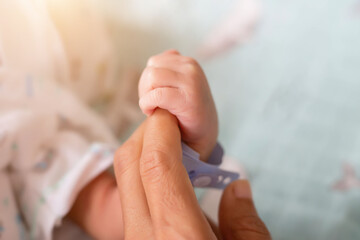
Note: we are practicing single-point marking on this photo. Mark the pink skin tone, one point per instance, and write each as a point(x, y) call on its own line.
point(152, 197)
point(178, 84)
point(172, 82)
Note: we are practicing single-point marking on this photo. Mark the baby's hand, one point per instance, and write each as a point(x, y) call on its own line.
point(178, 84)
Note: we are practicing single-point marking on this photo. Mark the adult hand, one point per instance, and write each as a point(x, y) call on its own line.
point(156, 195)
point(238, 218)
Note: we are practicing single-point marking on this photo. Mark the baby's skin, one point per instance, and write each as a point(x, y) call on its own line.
point(177, 84)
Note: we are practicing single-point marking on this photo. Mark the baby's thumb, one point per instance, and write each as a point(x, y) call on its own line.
point(238, 218)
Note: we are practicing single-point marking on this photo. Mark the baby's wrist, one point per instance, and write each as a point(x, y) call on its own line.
point(204, 148)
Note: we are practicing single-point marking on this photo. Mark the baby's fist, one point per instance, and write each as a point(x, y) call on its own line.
point(178, 84)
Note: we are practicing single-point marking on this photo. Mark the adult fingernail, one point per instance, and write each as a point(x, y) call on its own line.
point(242, 189)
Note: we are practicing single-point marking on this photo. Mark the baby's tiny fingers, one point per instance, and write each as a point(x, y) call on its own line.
point(169, 53)
point(153, 77)
point(171, 99)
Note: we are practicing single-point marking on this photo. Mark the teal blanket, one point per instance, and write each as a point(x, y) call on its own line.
point(289, 107)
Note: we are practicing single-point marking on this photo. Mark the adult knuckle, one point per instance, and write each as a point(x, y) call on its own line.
point(154, 164)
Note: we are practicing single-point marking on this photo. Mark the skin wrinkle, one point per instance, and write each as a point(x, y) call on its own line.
point(152, 74)
point(157, 96)
point(153, 166)
point(173, 199)
point(155, 163)
point(186, 98)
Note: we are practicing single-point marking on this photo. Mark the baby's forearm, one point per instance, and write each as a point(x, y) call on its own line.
point(97, 209)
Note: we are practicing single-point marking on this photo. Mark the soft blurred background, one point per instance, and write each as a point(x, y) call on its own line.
point(286, 80)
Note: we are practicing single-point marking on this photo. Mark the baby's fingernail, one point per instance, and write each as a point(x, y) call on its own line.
point(242, 189)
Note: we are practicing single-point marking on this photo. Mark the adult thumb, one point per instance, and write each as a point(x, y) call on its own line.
point(238, 218)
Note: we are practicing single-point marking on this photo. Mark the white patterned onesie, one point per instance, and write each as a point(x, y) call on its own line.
point(51, 143)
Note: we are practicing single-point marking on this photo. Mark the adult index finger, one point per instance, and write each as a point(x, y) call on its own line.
point(136, 215)
point(171, 199)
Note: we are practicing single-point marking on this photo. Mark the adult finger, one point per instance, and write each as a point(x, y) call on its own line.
point(172, 202)
point(136, 215)
point(172, 99)
point(238, 218)
point(214, 227)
